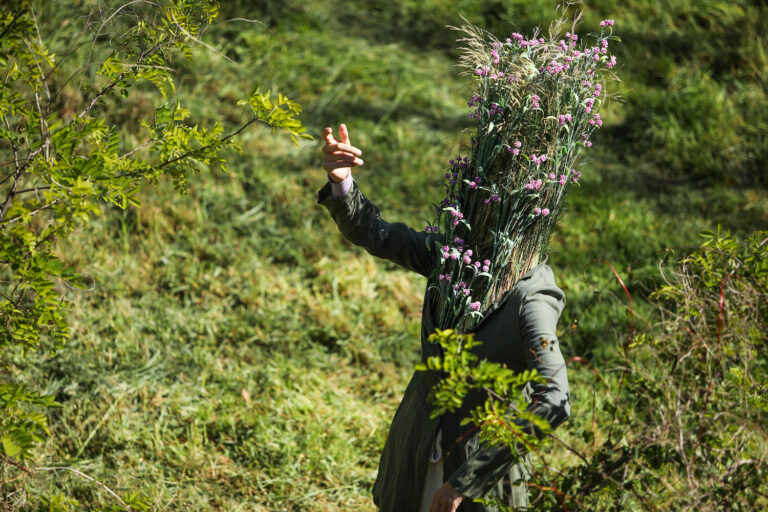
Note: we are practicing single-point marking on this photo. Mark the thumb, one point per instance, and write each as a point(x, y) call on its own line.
point(343, 134)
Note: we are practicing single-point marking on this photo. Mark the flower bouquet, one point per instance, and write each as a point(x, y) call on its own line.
point(535, 106)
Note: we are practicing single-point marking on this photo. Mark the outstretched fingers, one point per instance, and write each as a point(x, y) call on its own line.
point(344, 159)
point(339, 154)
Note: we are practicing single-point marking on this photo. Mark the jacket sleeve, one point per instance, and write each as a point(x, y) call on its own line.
point(360, 222)
point(539, 312)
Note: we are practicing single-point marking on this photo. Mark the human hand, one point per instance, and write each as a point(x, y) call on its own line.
point(339, 156)
point(446, 499)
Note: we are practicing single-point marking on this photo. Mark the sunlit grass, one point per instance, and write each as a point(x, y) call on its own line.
point(237, 354)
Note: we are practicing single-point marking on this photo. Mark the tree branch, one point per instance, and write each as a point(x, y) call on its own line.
point(223, 139)
point(112, 84)
point(13, 21)
point(17, 217)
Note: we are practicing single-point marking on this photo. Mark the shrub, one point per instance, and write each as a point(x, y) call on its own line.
point(685, 426)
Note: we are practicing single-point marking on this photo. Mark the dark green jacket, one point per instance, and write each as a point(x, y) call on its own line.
point(519, 331)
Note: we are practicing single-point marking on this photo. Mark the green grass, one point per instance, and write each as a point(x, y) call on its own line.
point(236, 353)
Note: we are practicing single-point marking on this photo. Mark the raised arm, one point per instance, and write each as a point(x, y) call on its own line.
point(359, 219)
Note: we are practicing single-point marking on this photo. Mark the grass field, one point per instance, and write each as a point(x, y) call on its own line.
point(237, 354)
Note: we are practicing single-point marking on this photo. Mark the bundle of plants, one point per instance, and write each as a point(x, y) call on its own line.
point(535, 105)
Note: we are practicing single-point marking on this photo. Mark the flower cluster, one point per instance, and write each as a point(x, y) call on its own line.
point(535, 107)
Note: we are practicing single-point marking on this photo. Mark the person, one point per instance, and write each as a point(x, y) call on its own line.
point(438, 464)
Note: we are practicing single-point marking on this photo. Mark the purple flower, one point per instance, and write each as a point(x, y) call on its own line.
point(563, 179)
point(467, 259)
point(612, 62)
point(551, 176)
point(537, 210)
point(475, 306)
point(517, 144)
point(476, 264)
point(487, 201)
point(588, 143)
point(495, 198)
point(467, 291)
point(576, 176)
point(533, 184)
point(485, 268)
point(545, 211)
point(472, 184)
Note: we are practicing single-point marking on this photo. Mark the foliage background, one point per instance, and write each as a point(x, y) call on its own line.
point(237, 354)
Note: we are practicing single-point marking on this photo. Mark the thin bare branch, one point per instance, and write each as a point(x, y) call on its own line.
point(87, 477)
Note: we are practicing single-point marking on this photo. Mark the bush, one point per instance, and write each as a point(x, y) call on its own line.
point(685, 425)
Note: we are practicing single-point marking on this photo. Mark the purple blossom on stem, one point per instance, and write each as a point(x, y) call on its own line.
point(545, 212)
point(533, 184)
point(475, 306)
